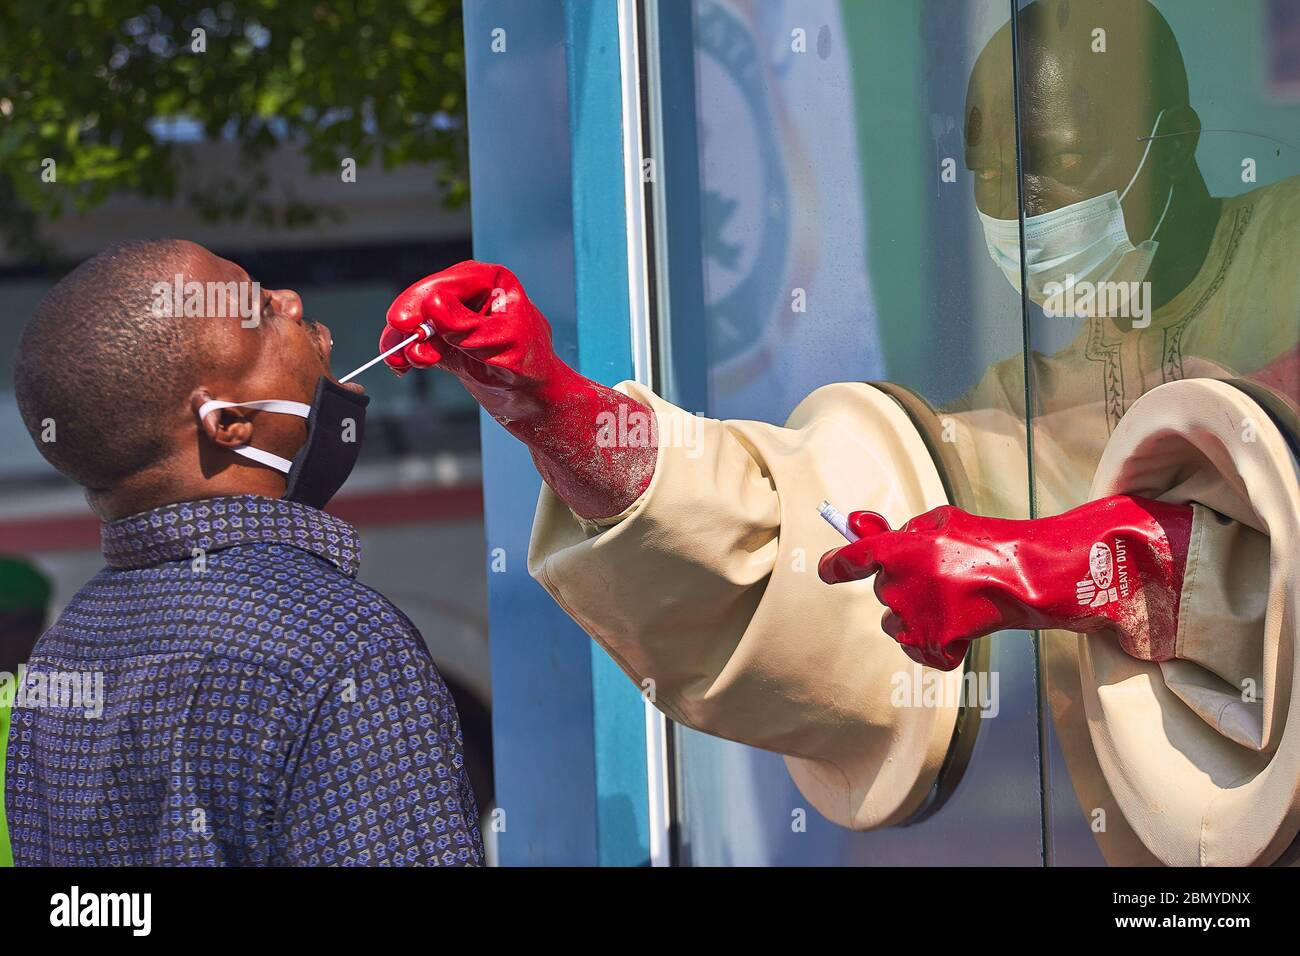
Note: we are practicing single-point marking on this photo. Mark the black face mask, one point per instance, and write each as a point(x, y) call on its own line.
point(335, 429)
point(336, 422)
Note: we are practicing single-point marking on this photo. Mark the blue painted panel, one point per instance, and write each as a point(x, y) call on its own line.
point(546, 177)
point(605, 354)
point(541, 661)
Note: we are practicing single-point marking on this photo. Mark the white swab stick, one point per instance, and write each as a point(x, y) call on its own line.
point(422, 332)
point(835, 518)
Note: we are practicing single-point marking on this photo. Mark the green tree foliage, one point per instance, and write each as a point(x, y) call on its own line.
point(90, 83)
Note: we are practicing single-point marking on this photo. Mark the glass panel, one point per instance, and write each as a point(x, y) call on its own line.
point(831, 234)
point(1193, 106)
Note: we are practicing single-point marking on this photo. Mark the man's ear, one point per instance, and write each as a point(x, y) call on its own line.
point(224, 427)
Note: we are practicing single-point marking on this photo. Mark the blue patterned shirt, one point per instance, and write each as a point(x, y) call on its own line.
point(257, 705)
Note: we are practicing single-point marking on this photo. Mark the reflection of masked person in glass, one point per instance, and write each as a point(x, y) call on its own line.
point(690, 565)
point(1113, 194)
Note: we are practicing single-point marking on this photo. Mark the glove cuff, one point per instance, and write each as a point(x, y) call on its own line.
point(1127, 557)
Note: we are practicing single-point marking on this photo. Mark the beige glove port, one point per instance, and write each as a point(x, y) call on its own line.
point(1202, 753)
point(706, 590)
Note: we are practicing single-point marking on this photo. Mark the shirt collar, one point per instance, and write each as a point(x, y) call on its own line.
point(172, 532)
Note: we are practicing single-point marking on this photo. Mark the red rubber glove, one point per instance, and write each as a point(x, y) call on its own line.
point(948, 577)
point(490, 336)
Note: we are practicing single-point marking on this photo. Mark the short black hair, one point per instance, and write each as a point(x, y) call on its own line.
point(103, 366)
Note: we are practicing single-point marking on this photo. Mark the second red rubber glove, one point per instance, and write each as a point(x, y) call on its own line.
point(948, 577)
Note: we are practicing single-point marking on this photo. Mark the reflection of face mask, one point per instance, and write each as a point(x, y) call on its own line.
point(336, 421)
point(1084, 241)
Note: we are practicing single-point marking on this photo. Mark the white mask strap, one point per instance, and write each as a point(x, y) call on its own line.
point(1142, 162)
point(1160, 221)
point(280, 406)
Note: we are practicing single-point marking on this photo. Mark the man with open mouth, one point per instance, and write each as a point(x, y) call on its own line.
point(261, 706)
